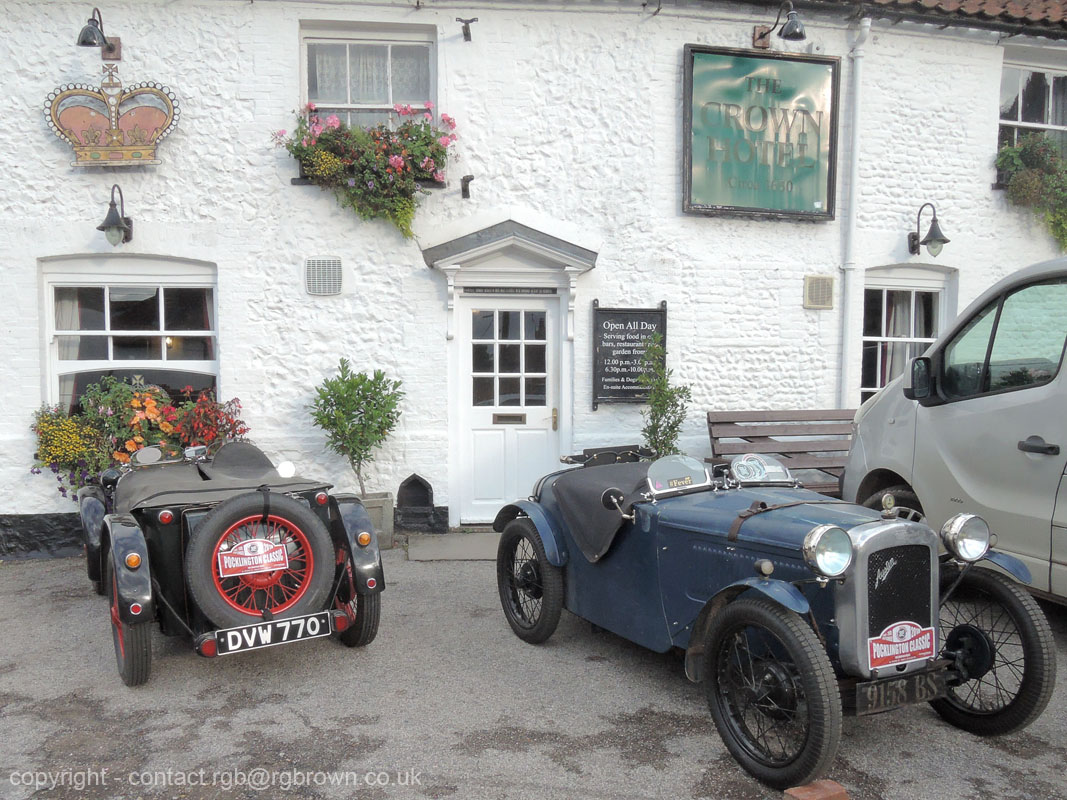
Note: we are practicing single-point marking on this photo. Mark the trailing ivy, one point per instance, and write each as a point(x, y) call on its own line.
point(1035, 176)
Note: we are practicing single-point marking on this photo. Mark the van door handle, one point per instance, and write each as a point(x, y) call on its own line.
point(1035, 444)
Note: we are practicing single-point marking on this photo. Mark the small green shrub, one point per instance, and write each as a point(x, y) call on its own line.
point(668, 405)
point(358, 412)
point(1036, 178)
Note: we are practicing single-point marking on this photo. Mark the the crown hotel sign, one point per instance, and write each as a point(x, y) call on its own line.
point(112, 125)
point(760, 133)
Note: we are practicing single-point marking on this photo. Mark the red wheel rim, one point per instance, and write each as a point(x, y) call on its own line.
point(277, 590)
point(116, 620)
point(348, 579)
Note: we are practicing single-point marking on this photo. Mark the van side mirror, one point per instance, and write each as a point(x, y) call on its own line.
point(918, 384)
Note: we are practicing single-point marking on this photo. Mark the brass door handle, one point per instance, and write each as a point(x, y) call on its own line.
point(555, 419)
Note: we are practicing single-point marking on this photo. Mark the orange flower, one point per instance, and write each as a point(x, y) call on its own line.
point(166, 427)
point(135, 402)
point(131, 445)
point(118, 456)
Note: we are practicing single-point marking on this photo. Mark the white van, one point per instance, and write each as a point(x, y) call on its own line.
point(979, 424)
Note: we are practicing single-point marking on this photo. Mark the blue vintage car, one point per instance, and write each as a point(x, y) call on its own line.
point(791, 607)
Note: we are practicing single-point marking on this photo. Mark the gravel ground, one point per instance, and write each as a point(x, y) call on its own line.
point(446, 702)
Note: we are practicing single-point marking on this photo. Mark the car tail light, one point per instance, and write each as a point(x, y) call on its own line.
point(363, 539)
point(135, 608)
point(133, 560)
point(371, 583)
point(166, 517)
point(340, 621)
point(322, 498)
point(207, 646)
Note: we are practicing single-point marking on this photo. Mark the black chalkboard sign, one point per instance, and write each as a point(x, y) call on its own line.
point(620, 338)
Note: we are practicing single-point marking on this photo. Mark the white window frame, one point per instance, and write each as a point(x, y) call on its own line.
point(319, 32)
point(1032, 60)
point(940, 280)
point(120, 272)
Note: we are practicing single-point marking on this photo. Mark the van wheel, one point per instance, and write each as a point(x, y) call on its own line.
point(903, 496)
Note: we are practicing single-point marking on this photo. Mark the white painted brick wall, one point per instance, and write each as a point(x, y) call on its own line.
point(572, 110)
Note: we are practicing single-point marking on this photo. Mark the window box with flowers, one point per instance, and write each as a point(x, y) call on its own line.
point(379, 171)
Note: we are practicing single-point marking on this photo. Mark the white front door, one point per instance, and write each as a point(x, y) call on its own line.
point(509, 356)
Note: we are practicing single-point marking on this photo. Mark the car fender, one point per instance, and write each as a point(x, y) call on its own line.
point(551, 538)
point(782, 593)
point(133, 585)
point(1010, 564)
point(92, 509)
point(349, 518)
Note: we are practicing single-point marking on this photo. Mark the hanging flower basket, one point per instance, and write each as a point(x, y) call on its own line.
point(378, 172)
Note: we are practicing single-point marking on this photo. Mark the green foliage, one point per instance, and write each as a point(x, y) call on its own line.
point(1036, 178)
point(667, 404)
point(117, 420)
point(374, 171)
point(357, 412)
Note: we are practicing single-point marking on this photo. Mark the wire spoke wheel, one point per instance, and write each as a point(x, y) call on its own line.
point(363, 610)
point(1000, 641)
point(531, 588)
point(772, 692)
point(254, 555)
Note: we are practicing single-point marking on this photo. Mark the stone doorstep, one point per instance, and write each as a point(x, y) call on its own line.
point(818, 790)
point(467, 545)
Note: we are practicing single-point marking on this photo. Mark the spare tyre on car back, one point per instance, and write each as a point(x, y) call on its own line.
point(259, 552)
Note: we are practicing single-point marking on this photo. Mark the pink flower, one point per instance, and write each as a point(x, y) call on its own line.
point(447, 120)
point(428, 105)
point(427, 116)
point(428, 164)
point(397, 108)
point(396, 162)
point(439, 176)
point(444, 141)
point(309, 107)
point(452, 137)
point(304, 142)
point(280, 134)
point(333, 122)
point(316, 130)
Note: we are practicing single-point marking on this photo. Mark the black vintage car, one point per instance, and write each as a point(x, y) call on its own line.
point(223, 548)
point(791, 607)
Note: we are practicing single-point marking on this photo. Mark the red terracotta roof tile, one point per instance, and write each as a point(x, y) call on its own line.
point(1041, 15)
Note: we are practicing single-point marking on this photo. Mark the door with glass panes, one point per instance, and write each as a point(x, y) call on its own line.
point(509, 399)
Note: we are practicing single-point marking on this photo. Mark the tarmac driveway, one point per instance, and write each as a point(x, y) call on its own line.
point(445, 703)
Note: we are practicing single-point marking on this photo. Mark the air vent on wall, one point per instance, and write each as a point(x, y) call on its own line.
point(818, 291)
point(322, 276)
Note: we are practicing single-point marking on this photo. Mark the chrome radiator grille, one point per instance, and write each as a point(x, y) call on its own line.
point(898, 587)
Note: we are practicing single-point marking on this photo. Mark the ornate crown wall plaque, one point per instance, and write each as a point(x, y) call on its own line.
point(112, 126)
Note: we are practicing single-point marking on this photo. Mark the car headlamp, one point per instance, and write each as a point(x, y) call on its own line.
point(828, 550)
point(966, 537)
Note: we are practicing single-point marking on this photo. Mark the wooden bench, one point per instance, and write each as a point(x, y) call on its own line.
point(812, 444)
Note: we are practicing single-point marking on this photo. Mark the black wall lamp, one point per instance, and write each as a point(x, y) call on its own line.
point(792, 30)
point(92, 35)
point(117, 227)
point(466, 27)
point(934, 239)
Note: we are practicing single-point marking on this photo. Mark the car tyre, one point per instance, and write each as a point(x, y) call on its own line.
point(364, 611)
point(301, 587)
point(1003, 635)
point(531, 589)
point(902, 495)
point(133, 643)
point(772, 692)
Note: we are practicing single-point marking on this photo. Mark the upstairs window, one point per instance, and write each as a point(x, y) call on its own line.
point(1033, 101)
point(360, 74)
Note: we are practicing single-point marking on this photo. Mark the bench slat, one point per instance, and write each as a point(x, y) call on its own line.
point(722, 430)
point(783, 416)
point(757, 445)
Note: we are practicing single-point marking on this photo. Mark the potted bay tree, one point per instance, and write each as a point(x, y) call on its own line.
point(358, 411)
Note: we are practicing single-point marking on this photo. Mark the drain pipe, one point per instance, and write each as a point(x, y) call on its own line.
point(848, 267)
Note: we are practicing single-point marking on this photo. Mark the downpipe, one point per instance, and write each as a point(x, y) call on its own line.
point(848, 267)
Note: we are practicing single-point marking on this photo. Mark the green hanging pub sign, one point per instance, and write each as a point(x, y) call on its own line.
point(760, 133)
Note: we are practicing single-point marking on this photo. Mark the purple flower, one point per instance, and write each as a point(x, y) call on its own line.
point(370, 184)
point(351, 182)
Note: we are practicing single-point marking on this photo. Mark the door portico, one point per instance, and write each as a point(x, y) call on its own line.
point(510, 332)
